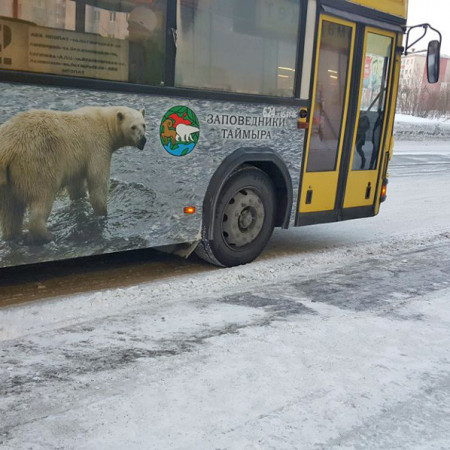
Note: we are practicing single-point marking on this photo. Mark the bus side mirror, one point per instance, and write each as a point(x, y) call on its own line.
point(433, 61)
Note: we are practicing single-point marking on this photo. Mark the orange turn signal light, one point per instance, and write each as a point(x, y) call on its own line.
point(384, 191)
point(189, 210)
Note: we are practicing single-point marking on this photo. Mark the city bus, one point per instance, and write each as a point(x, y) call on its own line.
point(192, 125)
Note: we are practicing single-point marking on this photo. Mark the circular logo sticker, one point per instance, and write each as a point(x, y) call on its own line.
point(179, 131)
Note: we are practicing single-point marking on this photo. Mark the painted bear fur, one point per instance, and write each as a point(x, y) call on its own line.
point(43, 151)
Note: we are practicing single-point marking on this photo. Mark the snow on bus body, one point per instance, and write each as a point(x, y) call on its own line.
point(149, 190)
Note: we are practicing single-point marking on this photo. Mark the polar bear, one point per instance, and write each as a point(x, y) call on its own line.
point(185, 132)
point(43, 151)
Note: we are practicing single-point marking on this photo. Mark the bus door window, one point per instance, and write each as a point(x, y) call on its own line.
point(330, 97)
point(373, 102)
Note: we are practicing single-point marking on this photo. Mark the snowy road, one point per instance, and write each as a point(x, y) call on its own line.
point(338, 336)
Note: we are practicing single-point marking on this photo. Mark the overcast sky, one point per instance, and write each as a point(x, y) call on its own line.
point(437, 14)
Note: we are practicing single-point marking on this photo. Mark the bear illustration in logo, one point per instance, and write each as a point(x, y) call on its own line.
point(179, 131)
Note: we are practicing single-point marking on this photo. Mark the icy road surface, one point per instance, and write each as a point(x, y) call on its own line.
point(337, 337)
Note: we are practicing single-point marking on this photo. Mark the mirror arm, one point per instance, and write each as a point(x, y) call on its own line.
point(425, 27)
point(408, 45)
point(417, 51)
point(436, 31)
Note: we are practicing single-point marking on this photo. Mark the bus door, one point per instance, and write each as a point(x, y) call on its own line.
point(328, 115)
point(371, 118)
point(342, 162)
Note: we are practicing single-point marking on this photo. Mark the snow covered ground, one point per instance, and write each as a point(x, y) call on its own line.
point(337, 337)
point(419, 128)
point(424, 148)
point(405, 118)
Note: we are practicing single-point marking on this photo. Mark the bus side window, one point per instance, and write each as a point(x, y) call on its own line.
point(146, 36)
point(101, 39)
point(142, 26)
point(237, 46)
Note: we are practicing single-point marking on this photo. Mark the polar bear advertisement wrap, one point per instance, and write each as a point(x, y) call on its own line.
point(42, 152)
point(73, 181)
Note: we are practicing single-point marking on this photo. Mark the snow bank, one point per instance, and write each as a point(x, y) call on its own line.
point(413, 128)
point(421, 120)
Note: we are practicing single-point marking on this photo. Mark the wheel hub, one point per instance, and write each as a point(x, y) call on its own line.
point(246, 218)
point(243, 218)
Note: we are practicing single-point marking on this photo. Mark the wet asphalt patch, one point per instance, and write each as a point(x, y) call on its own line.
point(88, 356)
point(374, 284)
point(275, 305)
point(366, 286)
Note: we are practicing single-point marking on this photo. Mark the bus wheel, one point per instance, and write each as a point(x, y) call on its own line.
point(243, 221)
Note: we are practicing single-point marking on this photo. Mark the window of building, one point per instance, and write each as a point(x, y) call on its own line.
point(231, 45)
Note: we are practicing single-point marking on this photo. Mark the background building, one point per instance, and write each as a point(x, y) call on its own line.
point(416, 95)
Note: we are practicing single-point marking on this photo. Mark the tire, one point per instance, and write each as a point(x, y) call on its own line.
point(243, 220)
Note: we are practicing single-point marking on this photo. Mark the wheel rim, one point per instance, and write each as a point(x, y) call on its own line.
point(243, 218)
